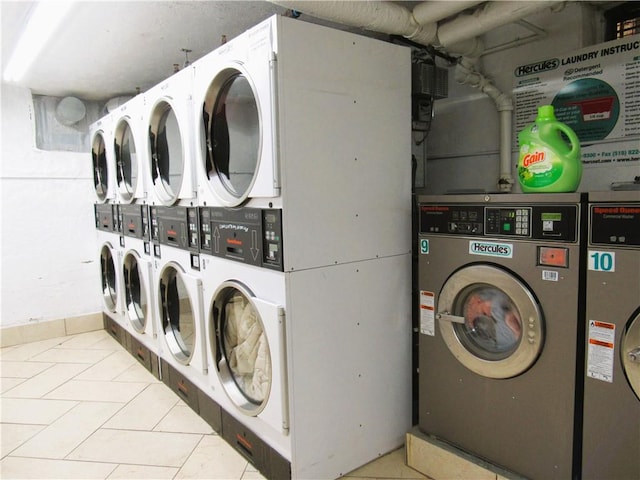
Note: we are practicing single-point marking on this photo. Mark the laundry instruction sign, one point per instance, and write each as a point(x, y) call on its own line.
point(491, 249)
point(595, 90)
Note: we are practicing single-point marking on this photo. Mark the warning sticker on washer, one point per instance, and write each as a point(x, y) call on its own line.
point(600, 354)
point(427, 313)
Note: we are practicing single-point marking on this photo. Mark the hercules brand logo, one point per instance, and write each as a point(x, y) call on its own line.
point(537, 67)
point(491, 249)
point(531, 158)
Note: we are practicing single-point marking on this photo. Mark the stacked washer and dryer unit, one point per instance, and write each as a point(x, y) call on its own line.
point(129, 141)
point(278, 185)
point(304, 181)
point(108, 228)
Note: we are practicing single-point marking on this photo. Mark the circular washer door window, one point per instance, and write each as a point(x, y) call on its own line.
point(233, 135)
point(126, 161)
point(135, 296)
point(108, 277)
point(630, 352)
point(100, 168)
point(177, 314)
point(167, 154)
point(490, 321)
point(243, 358)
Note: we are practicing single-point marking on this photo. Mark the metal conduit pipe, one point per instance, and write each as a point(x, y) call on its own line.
point(467, 74)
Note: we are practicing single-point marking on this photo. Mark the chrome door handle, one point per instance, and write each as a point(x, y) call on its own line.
point(634, 355)
point(447, 317)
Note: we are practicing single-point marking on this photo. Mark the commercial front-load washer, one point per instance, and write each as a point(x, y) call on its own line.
point(501, 328)
point(329, 403)
point(138, 277)
point(167, 119)
point(102, 160)
point(178, 293)
point(129, 150)
point(246, 325)
point(611, 440)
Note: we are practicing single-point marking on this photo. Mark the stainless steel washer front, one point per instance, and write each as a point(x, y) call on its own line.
point(611, 436)
point(500, 327)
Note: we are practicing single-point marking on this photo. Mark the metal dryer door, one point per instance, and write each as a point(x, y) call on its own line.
point(630, 353)
point(490, 321)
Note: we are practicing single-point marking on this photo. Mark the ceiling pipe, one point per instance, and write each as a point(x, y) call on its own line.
point(489, 16)
point(385, 17)
point(428, 14)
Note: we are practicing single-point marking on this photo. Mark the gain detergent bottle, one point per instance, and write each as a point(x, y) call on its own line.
point(547, 163)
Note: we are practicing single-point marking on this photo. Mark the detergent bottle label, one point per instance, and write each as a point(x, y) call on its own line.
point(538, 166)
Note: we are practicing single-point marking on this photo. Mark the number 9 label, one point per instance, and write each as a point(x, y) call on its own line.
point(424, 246)
point(602, 261)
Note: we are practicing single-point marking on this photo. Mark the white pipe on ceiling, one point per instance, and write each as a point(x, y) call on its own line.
point(489, 16)
point(385, 17)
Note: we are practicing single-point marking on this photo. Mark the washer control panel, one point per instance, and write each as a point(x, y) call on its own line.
point(175, 226)
point(548, 222)
point(246, 235)
point(106, 217)
point(615, 224)
point(135, 221)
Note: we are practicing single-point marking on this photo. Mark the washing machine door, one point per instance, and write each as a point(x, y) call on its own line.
point(177, 313)
point(490, 321)
point(167, 153)
point(100, 168)
point(108, 278)
point(630, 353)
point(243, 357)
point(126, 160)
point(233, 135)
point(135, 292)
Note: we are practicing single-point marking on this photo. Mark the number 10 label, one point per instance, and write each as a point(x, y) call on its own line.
point(602, 261)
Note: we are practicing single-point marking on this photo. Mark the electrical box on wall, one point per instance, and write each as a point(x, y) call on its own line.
point(428, 83)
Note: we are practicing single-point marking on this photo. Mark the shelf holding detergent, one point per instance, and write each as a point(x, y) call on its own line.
point(547, 163)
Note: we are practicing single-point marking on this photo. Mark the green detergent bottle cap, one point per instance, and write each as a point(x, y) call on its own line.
point(545, 112)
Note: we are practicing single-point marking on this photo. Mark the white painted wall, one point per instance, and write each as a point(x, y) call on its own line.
point(462, 147)
point(49, 266)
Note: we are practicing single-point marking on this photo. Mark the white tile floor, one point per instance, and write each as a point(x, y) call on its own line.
point(82, 407)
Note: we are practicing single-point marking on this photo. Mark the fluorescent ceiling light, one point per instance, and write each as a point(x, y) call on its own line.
point(41, 26)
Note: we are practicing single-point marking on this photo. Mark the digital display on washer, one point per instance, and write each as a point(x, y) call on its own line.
point(508, 221)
